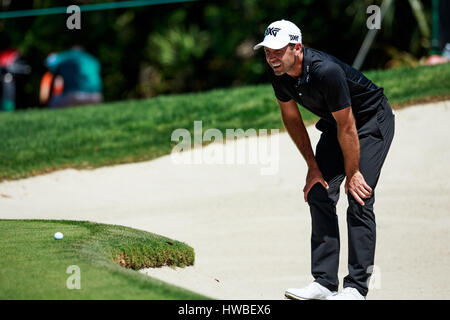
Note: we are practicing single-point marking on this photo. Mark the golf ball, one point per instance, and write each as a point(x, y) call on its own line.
point(58, 236)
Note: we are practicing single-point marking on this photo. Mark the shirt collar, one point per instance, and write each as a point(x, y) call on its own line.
point(306, 65)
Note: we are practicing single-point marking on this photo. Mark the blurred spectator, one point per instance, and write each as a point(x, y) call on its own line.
point(446, 51)
point(444, 27)
point(80, 73)
point(442, 46)
point(12, 67)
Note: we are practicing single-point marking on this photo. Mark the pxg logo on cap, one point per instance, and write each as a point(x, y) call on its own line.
point(271, 31)
point(280, 33)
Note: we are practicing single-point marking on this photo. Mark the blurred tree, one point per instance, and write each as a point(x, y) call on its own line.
point(193, 46)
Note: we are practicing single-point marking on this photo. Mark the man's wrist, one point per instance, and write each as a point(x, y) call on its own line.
point(352, 172)
point(312, 165)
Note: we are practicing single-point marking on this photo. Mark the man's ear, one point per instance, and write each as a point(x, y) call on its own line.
point(298, 47)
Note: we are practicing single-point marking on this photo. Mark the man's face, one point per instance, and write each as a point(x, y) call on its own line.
point(280, 60)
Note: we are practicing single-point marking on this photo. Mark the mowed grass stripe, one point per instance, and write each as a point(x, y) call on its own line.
point(38, 141)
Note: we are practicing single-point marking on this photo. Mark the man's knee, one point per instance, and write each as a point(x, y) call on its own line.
point(319, 195)
point(357, 214)
point(368, 203)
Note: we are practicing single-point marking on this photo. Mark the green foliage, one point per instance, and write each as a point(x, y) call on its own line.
point(174, 54)
point(177, 47)
point(202, 45)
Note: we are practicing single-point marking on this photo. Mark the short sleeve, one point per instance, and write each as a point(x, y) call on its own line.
point(334, 87)
point(278, 90)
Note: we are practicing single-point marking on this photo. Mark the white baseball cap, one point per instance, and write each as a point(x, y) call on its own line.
point(279, 33)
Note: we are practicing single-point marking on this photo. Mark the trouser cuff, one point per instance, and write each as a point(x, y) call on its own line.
point(326, 284)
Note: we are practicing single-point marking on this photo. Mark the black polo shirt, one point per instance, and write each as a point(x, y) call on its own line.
point(327, 85)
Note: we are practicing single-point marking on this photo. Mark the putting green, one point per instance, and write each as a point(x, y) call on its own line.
point(35, 266)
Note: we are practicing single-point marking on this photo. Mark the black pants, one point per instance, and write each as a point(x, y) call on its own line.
point(375, 137)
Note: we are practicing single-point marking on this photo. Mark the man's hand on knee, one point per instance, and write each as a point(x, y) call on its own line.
point(358, 187)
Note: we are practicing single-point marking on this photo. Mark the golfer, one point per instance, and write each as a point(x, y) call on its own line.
point(357, 125)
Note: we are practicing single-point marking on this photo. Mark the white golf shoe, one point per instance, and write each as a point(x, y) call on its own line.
point(313, 291)
point(347, 294)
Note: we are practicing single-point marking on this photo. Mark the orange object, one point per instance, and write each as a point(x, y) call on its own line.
point(46, 83)
point(58, 86)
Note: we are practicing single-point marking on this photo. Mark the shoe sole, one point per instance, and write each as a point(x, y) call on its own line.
point(291, 296)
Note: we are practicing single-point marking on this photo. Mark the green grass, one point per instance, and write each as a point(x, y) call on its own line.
point(408, 85)
point(33, 265)
point(37, 141)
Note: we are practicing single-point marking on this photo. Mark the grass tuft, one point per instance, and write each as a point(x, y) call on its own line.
point(140, 255)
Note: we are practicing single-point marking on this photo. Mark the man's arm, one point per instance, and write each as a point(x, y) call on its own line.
point(349, 142)
point(348, 139)
point(293, 123)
